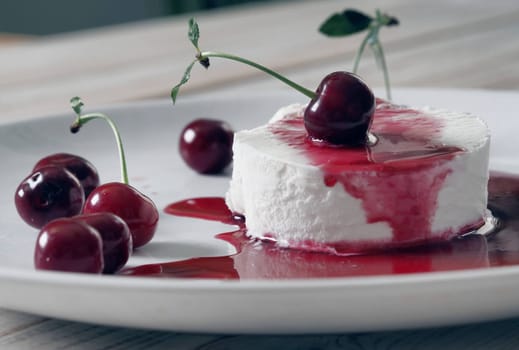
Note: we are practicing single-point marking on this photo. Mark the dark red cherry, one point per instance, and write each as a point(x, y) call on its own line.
point(47, 194)
point(206, 145)
point(117, 240)
point(342, 110)
point(69, 245)
point(82, 169)
point(137, 210)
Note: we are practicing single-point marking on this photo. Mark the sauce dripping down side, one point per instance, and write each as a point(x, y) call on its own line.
point(398, 178)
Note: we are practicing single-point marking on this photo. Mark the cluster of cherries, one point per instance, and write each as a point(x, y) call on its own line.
point(84, 226)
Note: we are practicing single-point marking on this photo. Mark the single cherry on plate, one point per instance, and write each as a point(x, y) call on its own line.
point(116, 237)
point(136, 209)
point(47, 194)
point(206, 145)
point(119, 198)
point(81, 168)
point(69, 245)
point(341, 111)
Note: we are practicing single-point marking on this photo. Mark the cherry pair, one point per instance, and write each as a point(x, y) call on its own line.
point(90, 243)
point(137, 210)
point(57, 187)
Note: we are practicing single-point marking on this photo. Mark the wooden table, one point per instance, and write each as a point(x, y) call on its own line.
point(461, 44)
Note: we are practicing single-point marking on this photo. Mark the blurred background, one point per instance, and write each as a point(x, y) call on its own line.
point(57, 16)
point(126, 50)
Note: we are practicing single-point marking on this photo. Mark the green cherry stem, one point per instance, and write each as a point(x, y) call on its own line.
point(381, 20)
point(360, 51)
point(206, 54)
point(373, 40)
point(203, 58)
point(85, 118)
point(377, 47)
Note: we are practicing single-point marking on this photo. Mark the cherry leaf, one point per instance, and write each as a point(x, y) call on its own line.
point(185, 79)
point(346, 23)
point(76, 104)
point(194, 32)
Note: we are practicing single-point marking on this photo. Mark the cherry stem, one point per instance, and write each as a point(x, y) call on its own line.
point(206, 54)
point(359, 54)
point(83, 119)
point(377, 47)
point(374, 42)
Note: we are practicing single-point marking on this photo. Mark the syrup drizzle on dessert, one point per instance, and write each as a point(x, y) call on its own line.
point(255, 259)
point(388, 177)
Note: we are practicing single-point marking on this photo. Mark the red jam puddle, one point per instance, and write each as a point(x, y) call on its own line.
point(255, 259)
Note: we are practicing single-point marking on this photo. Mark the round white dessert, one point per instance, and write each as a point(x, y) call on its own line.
point(425, 180)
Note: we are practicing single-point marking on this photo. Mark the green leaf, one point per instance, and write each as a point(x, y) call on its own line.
point(76, 104)
point(194, 32)
point(346, 23)
point(185, 79)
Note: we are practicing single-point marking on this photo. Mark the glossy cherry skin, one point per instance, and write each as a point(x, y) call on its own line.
point(342, 110)
point(69, 245)
point(47, 194)
point(137, 210)
point(206, 145)
point(117, 240)
point(81, 168)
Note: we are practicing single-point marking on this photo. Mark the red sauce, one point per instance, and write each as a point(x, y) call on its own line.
point(208, 208)
point(398, 179)
point(256, 259)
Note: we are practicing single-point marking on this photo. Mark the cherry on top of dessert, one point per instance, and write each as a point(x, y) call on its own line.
point(340, 110)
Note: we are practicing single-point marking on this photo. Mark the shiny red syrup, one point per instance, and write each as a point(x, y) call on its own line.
point(255, 259)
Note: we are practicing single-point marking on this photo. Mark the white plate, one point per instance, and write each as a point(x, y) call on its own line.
point(151, 130)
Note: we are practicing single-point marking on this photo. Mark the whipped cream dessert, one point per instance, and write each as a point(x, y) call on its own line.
point(424, 180)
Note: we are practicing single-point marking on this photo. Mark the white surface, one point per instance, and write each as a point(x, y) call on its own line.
point(276, 186)
point(150, 131)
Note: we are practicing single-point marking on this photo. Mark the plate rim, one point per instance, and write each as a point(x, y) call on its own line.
point(65, 278)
